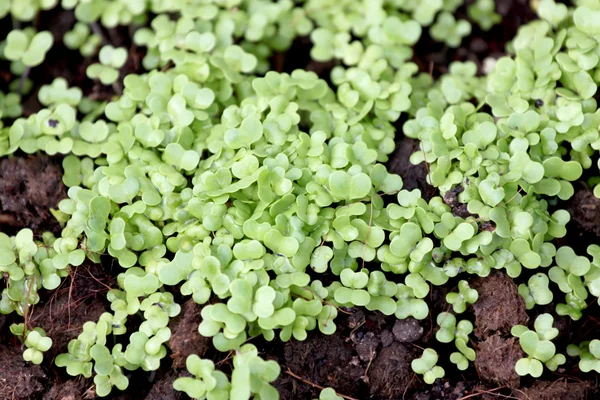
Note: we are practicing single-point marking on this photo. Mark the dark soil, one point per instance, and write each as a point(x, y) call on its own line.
point(80, 298)
point(70, 390)
point(185, 339)
point(407, 330)
point(393, 361)
point(19, 380)
point(499, 306)
point(413, 176)
point(163, 390)
point(496, 359)
point(29, 188)
point(584, 208)
point(561, 389)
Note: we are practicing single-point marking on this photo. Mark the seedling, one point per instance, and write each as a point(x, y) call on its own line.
point(538, 346)
point(425, 365)
point(465, 296)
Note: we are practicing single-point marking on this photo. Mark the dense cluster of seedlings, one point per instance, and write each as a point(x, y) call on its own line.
point(244, 185)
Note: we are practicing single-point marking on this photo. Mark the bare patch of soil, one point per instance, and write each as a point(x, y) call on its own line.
point(584, 208)
point(29, 187)
point(80, 298)
point(185, 339)
point(499, 307)
point(19, 380)
point(413, 176)
point(163, 390)
point(560, 389)
point(324, 360)
point(70, 390)
point(496, 359)
point(390, 375)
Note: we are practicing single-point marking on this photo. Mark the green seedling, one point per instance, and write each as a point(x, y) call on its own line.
point(111, 59)
point(426, 366)
point(465, 295)
point(538, 347)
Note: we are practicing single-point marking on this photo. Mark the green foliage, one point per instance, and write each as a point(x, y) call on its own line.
point(35, 340)
point(536, 291)
point(588, 353)
point(27, 46)
point(465, 296)
point(111, 59)
point(329, 394)
point(483, 12)
point(212, 174)
point(538, 347)
point(251, 375)
point(450, 31)
point(426, 366)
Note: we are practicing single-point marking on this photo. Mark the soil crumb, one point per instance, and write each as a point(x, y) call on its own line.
point(407, 330)
point(29, 187)
point(413, 176)
point(451, 198)
point(496, 359)
point(185, 339)
point(560, 389)
point(499, 306)
point(390, 375)
point(19, 380)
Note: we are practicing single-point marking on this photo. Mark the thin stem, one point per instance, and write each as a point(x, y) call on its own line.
point(22, 79)
point(290, 373)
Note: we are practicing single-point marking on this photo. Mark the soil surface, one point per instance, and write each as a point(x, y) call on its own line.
point(29, 188)
point(369, 355)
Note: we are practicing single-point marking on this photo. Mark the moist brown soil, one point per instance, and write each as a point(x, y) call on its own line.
point(29, 188)
point(499, 307)
point(413, 176)
point(69, 390)
point(496, 358)
point(584, 208)
point(561, 389)
point(185, 339)
point(19, 380)
point(163, 390)
point(80, 298)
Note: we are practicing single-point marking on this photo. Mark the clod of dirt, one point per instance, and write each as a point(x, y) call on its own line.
point(387, 338)
point(70, 390)
point(496, 359)
point(365, 345)
point(323, 360)
point(29, 187)
point(560, 389)
point(19, 380)
point(185, 339)
point(356, 319)
point(413, 176)
point(80, 298)
point(163, 390)
point(407, 330)
point(584, 208)
point(499, 307)
point(451, 198)
point(390, 374)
